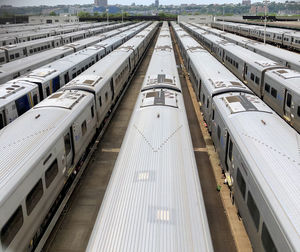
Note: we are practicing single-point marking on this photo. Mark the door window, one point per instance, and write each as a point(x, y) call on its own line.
point(289, 100)
point(67, 140)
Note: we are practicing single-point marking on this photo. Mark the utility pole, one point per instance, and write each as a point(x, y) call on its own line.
point(223, 16)
point(122, 16)
point(107, 15)
point(266, 4)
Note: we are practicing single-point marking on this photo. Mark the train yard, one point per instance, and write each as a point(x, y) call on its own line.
point(149, 137)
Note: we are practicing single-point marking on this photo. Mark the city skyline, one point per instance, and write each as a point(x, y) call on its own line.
point(19, 3)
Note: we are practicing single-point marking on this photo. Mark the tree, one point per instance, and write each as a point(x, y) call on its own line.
point(52, 13)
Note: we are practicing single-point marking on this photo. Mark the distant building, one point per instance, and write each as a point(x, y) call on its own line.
point(156, 3)
point(65, 18)
point(246, 2)
point(101, 3)
point(199, 19)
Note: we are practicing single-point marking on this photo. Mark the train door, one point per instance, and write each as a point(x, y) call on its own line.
point(229, 149)
point(55, 84)
point(69, 148)
point(199, 90)
point(245, 71)
point(22, 105)
point(2, 119)
point(288, 105)
point(112, 89)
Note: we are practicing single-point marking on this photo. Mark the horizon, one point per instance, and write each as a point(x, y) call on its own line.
point(29, 3)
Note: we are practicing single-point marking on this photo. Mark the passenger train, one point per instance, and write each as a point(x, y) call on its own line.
point(21, 94)
point(13, 52)
point(279, 36)
point(258, 150)
point(20, 35)
point(41, 149)
point(16, 68)
point(274, 83)
point(154, 200)
point(285, 57)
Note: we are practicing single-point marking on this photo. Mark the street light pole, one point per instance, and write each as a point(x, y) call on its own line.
point(266, 3)
point(122, 16)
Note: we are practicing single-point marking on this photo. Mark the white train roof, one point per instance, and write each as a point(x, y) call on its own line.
point(163, 70)
point(11, 91)
point(154, 201)
point(288, 78)
point(274, 52)
point(216, 76)
point(24, 142)
point(94, 78)
point(271, 149)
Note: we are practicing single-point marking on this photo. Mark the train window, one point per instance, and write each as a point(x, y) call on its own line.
point(17, 55)
point(230, 150)
point(12, 56)
point(106, 96)
point(51, 173)
point(241, 182)
point(267, 240)
point(83, 128)
point(100, 101)
point(252, 76)
point(66, 78)
point(254, 212)
point(237, 65)
point(86, 67)
point(92, 111)
point(34, 49)
point(267, 87)
point(203, 98)
point(219, 132)
point(207, 104)
point(78, 72)
point(11, 227)
point(48, 91)
point(213, 115)
point(289, 100)
point(38, 49)
point(2, 59)
point(82, 69)
point(298, 111)
point(35, 99)
point(1, 121)
point(34, 196)
point(274, 92)
point(67, 140)
point(73, 75)
point(257, 80)
point(31, 51)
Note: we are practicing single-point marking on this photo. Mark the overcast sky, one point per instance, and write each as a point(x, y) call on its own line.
point(145, 2)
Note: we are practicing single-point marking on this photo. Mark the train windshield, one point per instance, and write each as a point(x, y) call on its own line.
point(22, 105)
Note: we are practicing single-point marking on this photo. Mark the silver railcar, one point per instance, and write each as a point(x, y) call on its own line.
point(208, 76)
point(252, 68)
point(154, 201)
point(52, 77)
point(259, 152)
point(279, 36)
point(19, 67)
point(37, 159)
point(282, 56)
point(17, 51)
